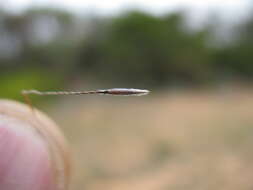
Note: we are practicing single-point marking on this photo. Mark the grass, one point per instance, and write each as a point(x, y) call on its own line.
point(168, 141)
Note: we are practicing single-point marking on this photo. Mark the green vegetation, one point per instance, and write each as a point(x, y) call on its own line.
point(41, 47)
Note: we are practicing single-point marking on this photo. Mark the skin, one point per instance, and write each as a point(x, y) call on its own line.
point(25, 160)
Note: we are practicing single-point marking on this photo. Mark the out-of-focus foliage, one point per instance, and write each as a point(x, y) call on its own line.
point(237, 60)
point(34, 50)
point(41, 48)
point(143, 49)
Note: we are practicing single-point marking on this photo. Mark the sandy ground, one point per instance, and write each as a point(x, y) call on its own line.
point(181, 140)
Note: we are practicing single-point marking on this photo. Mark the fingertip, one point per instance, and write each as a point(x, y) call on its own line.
point(25, 162)
point(34, 154)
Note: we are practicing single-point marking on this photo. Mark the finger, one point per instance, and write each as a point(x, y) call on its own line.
point(26, 157)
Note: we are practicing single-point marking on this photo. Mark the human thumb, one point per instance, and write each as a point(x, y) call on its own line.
point(33, 153)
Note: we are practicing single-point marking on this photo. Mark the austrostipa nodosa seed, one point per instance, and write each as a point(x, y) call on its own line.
point(112, 91)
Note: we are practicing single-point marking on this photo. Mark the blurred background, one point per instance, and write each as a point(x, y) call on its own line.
point(194, 131)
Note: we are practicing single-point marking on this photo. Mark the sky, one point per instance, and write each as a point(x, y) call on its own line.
point(230, 10)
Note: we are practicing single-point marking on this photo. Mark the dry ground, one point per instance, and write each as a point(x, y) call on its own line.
point(188, 140)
